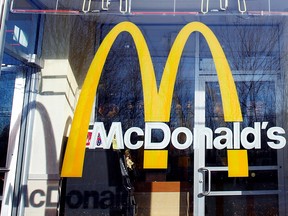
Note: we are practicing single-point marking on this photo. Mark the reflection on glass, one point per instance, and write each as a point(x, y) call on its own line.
point(257, 100)
point(257, 180)
point(120, 98)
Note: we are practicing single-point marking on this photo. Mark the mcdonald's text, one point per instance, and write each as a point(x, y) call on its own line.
point(223, 138)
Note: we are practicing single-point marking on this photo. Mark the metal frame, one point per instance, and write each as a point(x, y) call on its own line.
point(200, 189)
point(199, 153)
point(105, 5)
point(3, 16)
point(31, 90)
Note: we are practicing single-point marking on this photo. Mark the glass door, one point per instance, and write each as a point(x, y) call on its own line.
point(260, 192)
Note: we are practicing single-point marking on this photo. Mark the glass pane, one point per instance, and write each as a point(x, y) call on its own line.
point(257, 100)
point(242, 205)
point(120, 99)
point(7, 82)
point(246, 51)
point(124, 102)
point(257, 180)
point(21, 34)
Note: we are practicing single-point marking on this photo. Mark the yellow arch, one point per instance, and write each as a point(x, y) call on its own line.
point(230, 101)
point(157, 104)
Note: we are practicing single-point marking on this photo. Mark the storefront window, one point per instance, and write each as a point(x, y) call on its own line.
point(193, 124)
point(256, 60)
point(196, 177)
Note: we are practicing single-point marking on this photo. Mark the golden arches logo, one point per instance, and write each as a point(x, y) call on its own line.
point(157, 103)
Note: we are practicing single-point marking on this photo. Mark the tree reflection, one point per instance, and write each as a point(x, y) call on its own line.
point(253, 52)
point(120, 98)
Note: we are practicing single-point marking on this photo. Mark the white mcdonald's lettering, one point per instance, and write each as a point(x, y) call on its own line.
point(226, 139)
point(157, 102)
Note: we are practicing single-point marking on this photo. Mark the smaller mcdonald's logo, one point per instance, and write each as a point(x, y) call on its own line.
point(99, 141)
point(157, 102)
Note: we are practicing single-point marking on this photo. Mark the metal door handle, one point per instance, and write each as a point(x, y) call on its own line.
point(204, 170)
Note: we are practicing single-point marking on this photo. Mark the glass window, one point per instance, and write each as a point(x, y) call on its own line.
point(121, 98)
point(7, 84)
point(255, 48)
point(23, 34)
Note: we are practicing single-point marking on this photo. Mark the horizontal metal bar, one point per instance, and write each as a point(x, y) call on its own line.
point(225, 168)
point(44, 177)
point(281, 13)
point(241, 193)
point(45, 11)
point(3, 170)
point(164, 13)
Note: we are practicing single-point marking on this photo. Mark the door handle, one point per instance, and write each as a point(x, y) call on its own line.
point(205, 172)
